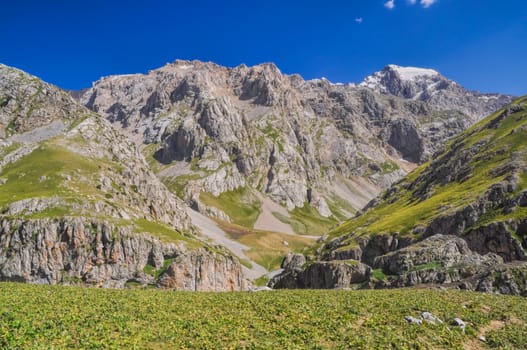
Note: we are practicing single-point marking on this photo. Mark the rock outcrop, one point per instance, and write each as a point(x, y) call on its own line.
point(82, 252)
point(27, 102)
point(323, 275)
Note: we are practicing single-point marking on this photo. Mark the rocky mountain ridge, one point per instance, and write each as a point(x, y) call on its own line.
point(329, 146)
point(249, 146)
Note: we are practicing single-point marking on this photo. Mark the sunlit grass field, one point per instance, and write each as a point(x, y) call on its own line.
point(56, 317)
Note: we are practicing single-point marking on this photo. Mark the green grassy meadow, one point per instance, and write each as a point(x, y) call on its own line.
point(57, 317)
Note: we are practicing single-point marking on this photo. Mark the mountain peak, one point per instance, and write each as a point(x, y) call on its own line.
point(398, 80)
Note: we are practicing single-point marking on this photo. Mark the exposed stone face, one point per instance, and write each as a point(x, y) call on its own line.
point(496, 238)
point(509, 279)
point(335, 274)
point(203, 271)
point(323, 275)
point(440, 250)
point(77, 251)
point(293, 261)
point(405, 137)
point(286, 137)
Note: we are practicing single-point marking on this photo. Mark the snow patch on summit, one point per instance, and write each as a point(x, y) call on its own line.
point(411, 73)
point(407, 82)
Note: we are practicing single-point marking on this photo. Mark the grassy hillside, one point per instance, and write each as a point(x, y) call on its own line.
point(240, 205)
point(73, 184)
point(470, 165)
point(71, 317)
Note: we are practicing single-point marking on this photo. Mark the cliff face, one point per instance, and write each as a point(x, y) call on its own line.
point(216, 129)
point(82, 252)
point(459, 220)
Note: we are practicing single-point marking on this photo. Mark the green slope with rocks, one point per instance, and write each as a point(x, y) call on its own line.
point(489, 154)
point(460, 219)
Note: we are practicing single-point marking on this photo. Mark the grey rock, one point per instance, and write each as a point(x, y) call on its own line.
point(323, 275)
point(445, 251)
point(293, 261)
point(411, 319)
point(430, 318)
point(459, 323)
point(404, 136)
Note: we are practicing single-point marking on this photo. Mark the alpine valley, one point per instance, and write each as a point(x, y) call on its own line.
point(200, 177)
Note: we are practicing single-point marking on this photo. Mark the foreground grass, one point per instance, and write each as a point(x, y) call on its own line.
point(39, 317)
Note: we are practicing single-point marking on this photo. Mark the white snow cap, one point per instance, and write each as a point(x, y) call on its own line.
point(411, 73)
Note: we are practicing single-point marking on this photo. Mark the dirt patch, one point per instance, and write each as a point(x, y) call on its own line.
point(478, 344)
point(267, 221)
point(493, 326)
point(485, 309)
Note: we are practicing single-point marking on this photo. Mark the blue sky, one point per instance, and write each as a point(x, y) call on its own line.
point(480, 44)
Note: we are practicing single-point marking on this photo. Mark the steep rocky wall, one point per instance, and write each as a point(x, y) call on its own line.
point(78, 251)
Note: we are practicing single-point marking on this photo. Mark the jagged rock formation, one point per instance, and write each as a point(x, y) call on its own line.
point(337, 274)
point(296, 141)
point(79, 202)
point(460, 220)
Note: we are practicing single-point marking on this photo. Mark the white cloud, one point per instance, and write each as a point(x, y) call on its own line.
point(427, 3)
point(359, 20)
point(390, 4)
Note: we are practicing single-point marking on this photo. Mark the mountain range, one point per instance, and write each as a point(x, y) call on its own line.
point(117, 184)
